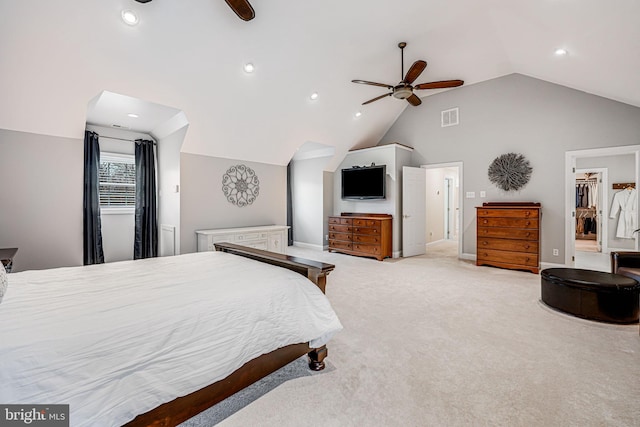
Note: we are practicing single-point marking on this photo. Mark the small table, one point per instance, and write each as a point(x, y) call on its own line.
point(6, 257)
point(593, 295)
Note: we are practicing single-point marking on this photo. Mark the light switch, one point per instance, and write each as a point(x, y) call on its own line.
point(471, 194)
point(483, 194)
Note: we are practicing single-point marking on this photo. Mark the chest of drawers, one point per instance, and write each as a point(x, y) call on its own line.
point(366, 235)
point(508, 235)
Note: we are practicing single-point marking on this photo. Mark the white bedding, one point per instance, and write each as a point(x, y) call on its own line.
point(116, 340)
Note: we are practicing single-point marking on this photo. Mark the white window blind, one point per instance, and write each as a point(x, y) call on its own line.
point(117, 181)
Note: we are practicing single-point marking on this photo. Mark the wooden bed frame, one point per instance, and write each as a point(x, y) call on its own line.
point(181, 409)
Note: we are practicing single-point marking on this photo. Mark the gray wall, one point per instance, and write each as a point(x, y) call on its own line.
point(518, 114)
point(41, 199)
point(203, 206)
point(307, 194)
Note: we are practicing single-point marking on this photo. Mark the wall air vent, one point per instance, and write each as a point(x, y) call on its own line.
point(120, 126)
point(449, 117)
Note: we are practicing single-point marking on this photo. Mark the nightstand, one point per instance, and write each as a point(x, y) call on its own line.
point(6, 257)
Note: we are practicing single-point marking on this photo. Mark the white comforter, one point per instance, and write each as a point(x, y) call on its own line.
point(116, 340)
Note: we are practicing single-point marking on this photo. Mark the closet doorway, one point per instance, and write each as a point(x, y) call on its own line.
point(591, 191)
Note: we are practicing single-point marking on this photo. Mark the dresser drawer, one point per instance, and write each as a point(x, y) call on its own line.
point(508, 222)
point(340, 228)
point(508, 213)
point(366, 223)
point(340, 236)
point(507, 257)
point(367, 249)
point(366, 230)
point(250, 236)
point(508, 245)
point(366, 238)
point(508, 233)
point(339, 244)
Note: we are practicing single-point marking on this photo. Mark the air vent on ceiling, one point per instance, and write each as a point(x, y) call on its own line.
point(120, 126)
point(449, 117)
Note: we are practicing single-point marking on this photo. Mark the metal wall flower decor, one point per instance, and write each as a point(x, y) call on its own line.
point(240, 185)
point(510, 171)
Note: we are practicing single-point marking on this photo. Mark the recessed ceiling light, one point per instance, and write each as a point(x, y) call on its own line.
point(560, 52)
point(248, 67)
point(357, 114)
point(130, 17)
point(133, 116)
point(314, 96)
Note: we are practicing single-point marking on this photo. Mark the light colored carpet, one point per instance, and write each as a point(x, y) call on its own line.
point(435, 341)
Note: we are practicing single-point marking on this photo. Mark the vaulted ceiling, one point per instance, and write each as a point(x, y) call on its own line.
point(55, 57)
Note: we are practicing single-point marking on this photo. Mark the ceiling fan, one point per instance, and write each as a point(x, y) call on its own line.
point(404, 89)
point(242, 8)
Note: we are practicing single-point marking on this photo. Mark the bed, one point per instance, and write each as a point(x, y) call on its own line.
point(156, 341)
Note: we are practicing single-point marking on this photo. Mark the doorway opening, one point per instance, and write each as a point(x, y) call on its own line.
point(443, 208)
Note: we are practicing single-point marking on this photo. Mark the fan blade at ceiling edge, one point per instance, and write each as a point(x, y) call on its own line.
point(414, 72)
point(364, 82)
point(377, 98)
point(242, 8)
point(414, 100)
point(440, 85)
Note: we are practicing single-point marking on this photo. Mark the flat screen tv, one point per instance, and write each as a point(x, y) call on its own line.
point(364, 183)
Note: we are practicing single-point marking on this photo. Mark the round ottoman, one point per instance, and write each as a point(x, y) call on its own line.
point(593, 295)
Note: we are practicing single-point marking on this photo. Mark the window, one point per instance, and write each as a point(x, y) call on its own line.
point(117, 176)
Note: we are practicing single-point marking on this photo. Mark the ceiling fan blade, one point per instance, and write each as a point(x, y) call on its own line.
point(378, 97)
point(242, 8)
point(414, 100)
point(440, 85)
point(416, 69)
point(364, 82)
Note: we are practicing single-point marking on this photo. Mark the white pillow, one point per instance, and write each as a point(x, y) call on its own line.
point(4, 282)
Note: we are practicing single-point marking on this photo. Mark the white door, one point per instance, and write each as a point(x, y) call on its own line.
point(414, 195)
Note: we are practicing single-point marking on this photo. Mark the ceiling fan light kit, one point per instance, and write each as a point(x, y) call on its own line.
point(404, 89)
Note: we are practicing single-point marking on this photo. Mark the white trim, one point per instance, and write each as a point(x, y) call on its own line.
point(308, 246)
point(435, 241)
point(469, 257)
point(544, 265)
point(106, 210)
point(396, 254)
point(569, 199)
point(393, 144)
point(460, 166)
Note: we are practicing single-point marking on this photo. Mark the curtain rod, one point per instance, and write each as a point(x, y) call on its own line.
point(122, 139)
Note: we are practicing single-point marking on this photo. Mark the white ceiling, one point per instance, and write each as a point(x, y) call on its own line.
point(55, 57)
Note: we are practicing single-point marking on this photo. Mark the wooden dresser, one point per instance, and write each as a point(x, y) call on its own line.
point(361, 234)
point(509, 235)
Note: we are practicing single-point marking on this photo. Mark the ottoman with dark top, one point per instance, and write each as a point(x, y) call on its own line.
point(593, 295)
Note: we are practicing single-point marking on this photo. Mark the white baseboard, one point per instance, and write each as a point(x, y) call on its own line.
point(309, 246)
point(435, 241)
point(470, 257)
point(396, 254)
point(544, 265)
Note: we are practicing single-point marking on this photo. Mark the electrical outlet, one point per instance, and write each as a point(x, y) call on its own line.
point(483, 194)
point(556, 252)
point(326, 237)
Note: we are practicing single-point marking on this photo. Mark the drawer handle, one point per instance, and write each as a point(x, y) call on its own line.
point(526, 246)
point(485, 221)
point(528, 223)
point(484, 242)
point(528, 234)
point(527, 213)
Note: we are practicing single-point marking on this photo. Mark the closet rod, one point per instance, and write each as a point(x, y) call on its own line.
point(123, 139)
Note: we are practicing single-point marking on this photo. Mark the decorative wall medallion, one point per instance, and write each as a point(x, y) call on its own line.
point(510, 171)
point(240, 185)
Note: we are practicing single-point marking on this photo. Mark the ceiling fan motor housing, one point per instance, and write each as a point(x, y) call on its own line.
point(402, 91)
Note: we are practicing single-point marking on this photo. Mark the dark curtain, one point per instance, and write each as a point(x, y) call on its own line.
point(289, 206)
point(146, 229)
point(92, 228)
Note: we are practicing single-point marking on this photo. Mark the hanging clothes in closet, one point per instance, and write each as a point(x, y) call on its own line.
point(625, 202)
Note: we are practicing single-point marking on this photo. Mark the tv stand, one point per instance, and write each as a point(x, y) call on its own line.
point(361, 234)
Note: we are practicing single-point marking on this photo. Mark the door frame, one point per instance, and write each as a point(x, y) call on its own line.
point(460, 217)
point(569, 198)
